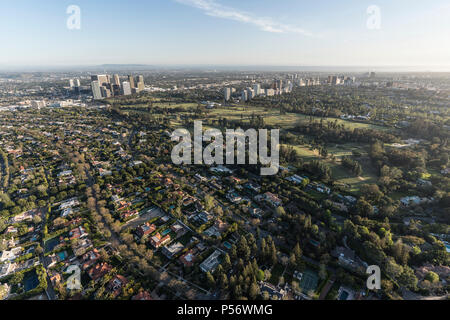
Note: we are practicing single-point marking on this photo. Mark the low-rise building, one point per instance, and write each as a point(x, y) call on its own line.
point(212, 262)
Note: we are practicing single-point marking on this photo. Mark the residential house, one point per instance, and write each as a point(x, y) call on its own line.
point(157, 240)
point(116, 285)
point(99, 271)
point(172, 250)
point(188, 258)
point(212, 262)
point(143, 295)
point(11, 254)
point(178, 229)
point(272, 199)
point(88, 259)
point(78, 233)
point(145, 230)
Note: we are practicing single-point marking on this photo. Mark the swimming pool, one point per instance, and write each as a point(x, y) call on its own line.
point(62, 255)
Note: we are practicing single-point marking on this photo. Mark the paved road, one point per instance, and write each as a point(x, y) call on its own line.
point(327, 288)
point(51, 294)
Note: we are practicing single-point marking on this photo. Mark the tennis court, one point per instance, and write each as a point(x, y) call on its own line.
point(309, 282)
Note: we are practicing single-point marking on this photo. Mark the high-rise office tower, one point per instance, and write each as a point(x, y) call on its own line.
point(116, 90)
point(106, 93)
point(71, 83)
point(102, 79)
point(126, 88)
point(279, 84)
point(96, 90)
point(227, 94)
point(290, 86)
point(251, 93)
point(131, 81)
point(244, 96)
point(140, 85)
point(257, 89)
point(333, 80)
point(116, 80)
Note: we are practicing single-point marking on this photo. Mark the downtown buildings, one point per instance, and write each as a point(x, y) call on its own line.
point(105, 86)
point(278, 87)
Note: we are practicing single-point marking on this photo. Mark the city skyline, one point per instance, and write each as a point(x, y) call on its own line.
point(227, 33)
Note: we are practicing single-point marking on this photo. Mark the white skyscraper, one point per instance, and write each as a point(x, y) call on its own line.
point(251, 93)
point(244, 96)
point(96, 91)
point(126, 87)
point(227, 94)
point(257, 89)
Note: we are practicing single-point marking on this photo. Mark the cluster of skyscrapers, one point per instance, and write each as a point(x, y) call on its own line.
point(281, 86)
point(75, 85)
point(106, 86)
point(278, 87)
point(340, 80)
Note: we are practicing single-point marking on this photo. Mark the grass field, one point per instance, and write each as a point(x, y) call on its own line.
point(290, 120)
point(340, 174)
point(271, 117)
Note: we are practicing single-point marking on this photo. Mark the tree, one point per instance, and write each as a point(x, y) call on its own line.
point(372, 192)
point(280, 211)
point(39, 250)
point(37, 219)
point(2, 224)
point(322, 272)
point(260, 275)
point(254, 291)
point(364, 208)
point(295, 286)
point(227, 262)
point(17, 278)
point(3, 291)
point(292, 260)
point(209, 202)
point(408, 279)
point(210, 280)
point(224, 281)
point(432, 277)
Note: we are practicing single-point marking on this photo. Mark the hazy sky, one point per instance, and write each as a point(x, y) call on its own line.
point(226, 32)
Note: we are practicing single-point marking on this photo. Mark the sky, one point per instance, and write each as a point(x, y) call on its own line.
point(227, 32)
